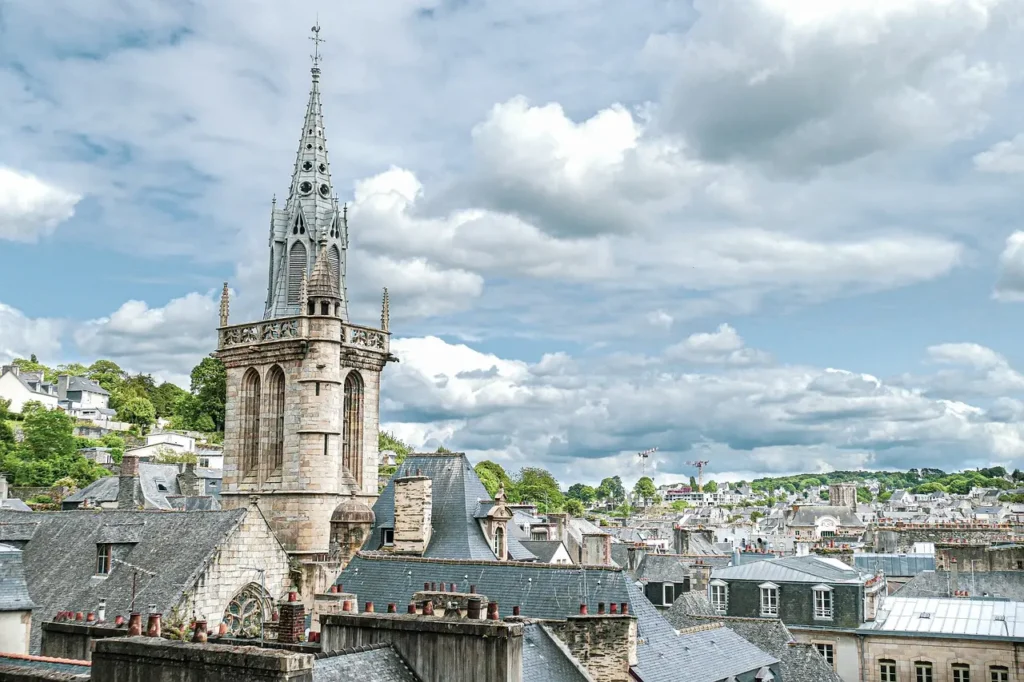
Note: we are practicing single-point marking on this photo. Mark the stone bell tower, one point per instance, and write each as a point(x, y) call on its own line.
point(303, 384)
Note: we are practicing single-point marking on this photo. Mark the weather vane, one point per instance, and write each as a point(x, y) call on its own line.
point(316, 43)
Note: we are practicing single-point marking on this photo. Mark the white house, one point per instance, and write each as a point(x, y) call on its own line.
point(210, 458)
point(21, 387)
point(173, 438)
point(84, 398)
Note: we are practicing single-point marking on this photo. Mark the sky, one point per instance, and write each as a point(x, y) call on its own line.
point(778, 235)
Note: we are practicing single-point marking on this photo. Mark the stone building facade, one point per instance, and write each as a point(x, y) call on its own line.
point(303, 384)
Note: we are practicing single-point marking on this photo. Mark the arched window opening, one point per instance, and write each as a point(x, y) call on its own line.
point(275, 419)
point(311, 308)
point(250, 436)
point(352, 447)
point(499, 542)
point(337, 309)
point(325, 308)
point(247, 611)
point(296, 268)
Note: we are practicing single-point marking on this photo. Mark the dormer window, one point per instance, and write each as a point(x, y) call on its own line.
point(822, 602)
point(719, 596)
point(103, 555)
point(387, 537)
point(499, 542)
point(769, 600)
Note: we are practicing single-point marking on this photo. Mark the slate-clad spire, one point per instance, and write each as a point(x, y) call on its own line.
point(311, 224)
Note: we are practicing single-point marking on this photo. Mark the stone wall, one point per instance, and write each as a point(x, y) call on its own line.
point(436, 649)
point(596, 550)
point(984, 557)
point(681, 538)
point(72, 641)
point(12, 673)
point(900, 538)
point(413, 513)
point(145, 659)
point(251, 546)
point(605, 645)
point(942, 653)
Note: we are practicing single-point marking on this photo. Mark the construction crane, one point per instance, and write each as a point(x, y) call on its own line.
point(700, 464)
point(643, 459)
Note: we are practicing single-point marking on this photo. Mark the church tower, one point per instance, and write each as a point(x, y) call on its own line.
point(303, 384)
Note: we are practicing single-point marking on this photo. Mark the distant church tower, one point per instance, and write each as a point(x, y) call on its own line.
point(303, 384)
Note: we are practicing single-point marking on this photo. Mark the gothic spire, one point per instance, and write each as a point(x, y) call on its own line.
point(321, 283)
point(311, 179)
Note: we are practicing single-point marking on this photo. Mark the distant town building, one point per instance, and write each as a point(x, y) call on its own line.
point(21, 387)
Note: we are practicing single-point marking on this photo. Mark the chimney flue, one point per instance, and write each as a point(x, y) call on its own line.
point(473, 608)
point(492, 611)
point(613, 608)
point(583, 609)
point(600, 608)
point(625, 608)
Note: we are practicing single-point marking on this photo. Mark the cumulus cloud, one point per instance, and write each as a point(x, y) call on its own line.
point(970, 369)
point(31, 208)
point(1003, 157)
point(21, 336)
point(1010, 273)
point(167, 341)
point(801, 85)
point(724, 346)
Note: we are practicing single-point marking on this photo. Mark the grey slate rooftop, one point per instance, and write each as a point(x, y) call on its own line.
point(546, 659)
point(1003, 584)
point(14, 594)
point(662, 568)
point(457, 495)
point(794, 569)
point(544, 550)
point(799, 662)
point(806, 515)
point(374, 663)
point(76, 383)
point(59, 556)
point(159, 482)
point(555, 591)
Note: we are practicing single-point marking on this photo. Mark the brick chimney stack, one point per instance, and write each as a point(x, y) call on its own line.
point(129, 491)
point(413, 514)
point(604, 643)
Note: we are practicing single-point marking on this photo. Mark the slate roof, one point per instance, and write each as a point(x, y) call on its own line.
point(60, 557)
point(544, 550)
point(159, 483)
point(1004, 584)
point(14, 504)
point(546, 659)
point(899, 565)
point(374, 663)
point(795, 569)
point(662, 568)
point(806, 515)
point(799, 662)
point(83, 384)
point(14, 594)
point(457, 492)
point(555, 591)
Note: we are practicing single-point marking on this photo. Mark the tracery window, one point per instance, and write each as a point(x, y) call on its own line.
point(250, 436)
point(275, 419)
point(352, 446)
point(247, 611)
point(499, 542)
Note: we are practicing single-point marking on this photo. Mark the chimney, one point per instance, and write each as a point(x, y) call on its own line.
point(413, 508)
point(188, 481)
point(560, 521)
point(129, 492)
point(62, 386)
point(605, 644)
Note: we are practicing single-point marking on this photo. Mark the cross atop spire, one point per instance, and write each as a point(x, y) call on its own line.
point(316, 45)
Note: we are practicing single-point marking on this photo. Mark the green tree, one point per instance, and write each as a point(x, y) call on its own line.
point(931, 487)
point(171, 456)
point(137, 410)
point(48, 434)
point(75, 369)
point(540, 487)
point(680, 505)
point(116, 445)
point(107, 374)
point(884, 495)
point(493, 476)
point(755, 515)
point(33, 365)
point(693, 482)
point(644, 490)
point(574, 507)
point(611, 489)
point(209, 386)
point(711, 487)
point(582, 492)
point(824, 495)
point(864, 494)
point(1018, 475)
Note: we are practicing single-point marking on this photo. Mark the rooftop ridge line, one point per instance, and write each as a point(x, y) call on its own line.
point(374, 555)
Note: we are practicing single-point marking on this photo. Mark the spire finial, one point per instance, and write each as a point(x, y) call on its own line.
point(225, 298)
point(303, 293)
point(385, 312)
point(316, 44)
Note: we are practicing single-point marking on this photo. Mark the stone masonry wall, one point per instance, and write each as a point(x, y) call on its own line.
point(436, 649)
point(413, 509)
point(900, 539)
point(942, 653)
point(251, 546)
point(146, 659)
point(985, 557)
point(605, 645)
point(72, 641)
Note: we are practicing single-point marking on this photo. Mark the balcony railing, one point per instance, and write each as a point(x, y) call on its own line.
point(268, 331)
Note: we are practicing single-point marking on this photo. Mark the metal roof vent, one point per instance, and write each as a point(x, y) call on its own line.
point(925, 616)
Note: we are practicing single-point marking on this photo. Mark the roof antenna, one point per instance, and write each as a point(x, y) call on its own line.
point(316, 43)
